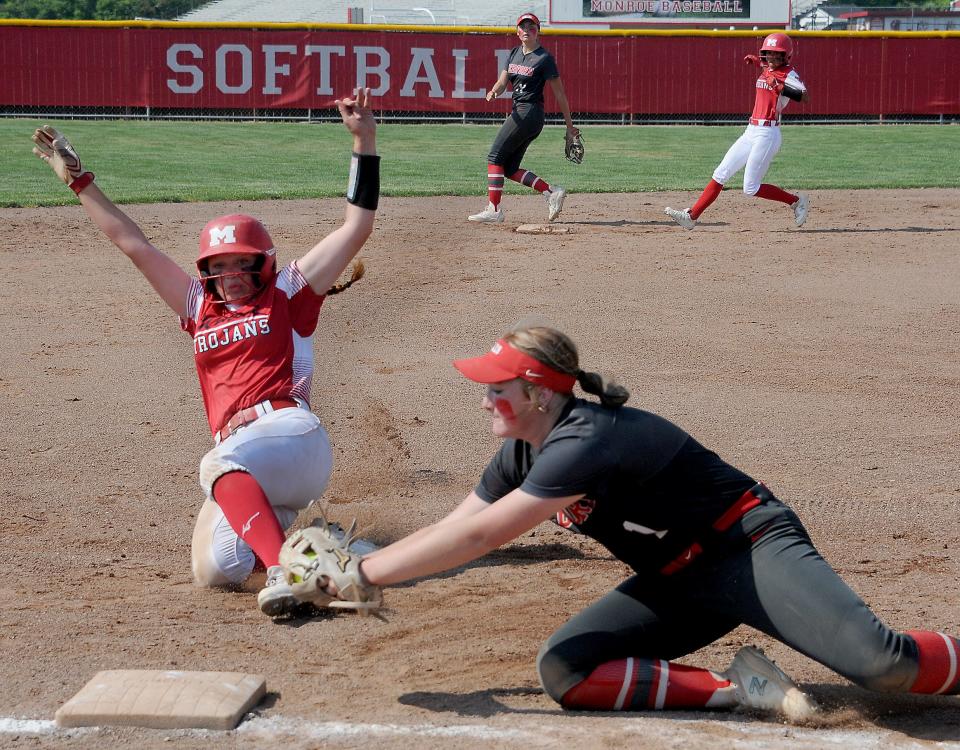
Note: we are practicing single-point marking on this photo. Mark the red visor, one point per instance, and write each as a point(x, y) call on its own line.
point(528, 17)
point(503, 362)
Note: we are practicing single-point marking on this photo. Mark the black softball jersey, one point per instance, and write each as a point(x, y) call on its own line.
point(650, 489)
point(528, 74)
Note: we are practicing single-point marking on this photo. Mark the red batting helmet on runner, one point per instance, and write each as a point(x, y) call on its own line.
point(238, 233)
point(777, 42)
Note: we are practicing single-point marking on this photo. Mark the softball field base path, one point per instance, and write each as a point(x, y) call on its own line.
point(823, 361)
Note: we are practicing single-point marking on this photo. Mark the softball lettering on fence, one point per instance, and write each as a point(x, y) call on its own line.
point(237, 66)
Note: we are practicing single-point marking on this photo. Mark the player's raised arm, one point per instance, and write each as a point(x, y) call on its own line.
point(326, 261)
point(167, 278)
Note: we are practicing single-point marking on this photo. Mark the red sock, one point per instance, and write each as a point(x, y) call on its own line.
point(530, 180)
point(939, 668)
point(634, 684)
point(495, 184)
point(249, 513)
point(708, 196)
point(773, 193)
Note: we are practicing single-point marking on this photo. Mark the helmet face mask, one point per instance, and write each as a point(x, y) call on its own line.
point(237, 234)
point(220, 272)
point(773, 59)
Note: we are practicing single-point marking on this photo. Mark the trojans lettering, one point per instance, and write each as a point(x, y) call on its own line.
point(230, 333)
point(523, 70)
point(574, 515)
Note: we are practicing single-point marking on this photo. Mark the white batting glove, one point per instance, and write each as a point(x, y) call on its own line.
point(54, 148)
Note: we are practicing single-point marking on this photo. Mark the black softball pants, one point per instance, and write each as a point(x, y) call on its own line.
point(518, 131)
point(778, 584)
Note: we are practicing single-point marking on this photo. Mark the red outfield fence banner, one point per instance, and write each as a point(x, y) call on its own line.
point(201, 67)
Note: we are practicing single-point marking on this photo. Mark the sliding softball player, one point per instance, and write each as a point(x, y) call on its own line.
point(252, 328)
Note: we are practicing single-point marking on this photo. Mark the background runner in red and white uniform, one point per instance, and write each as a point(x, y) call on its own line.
point(753, 152)
point(252, 339)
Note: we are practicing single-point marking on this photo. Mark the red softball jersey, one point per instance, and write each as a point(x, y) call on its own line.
point(768, 105)
point(261, 350)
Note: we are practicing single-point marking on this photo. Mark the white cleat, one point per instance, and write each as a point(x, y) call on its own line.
point(681, 217)
point(276, 597)
point(489, 215)
point(800, 209)
point(761, 685)
point(555, 202)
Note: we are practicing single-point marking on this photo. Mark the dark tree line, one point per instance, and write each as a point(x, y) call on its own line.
point(110, 10)
point(98, 10)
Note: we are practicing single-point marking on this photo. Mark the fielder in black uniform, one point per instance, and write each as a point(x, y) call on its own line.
point(712, 549)
point(528, 69)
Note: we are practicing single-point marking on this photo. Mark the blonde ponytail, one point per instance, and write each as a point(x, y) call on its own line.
point(557, 351)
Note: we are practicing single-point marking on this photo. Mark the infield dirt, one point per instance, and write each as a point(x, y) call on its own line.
point(822, 361)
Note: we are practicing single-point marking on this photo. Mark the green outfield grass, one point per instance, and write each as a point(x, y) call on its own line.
point(144, 162)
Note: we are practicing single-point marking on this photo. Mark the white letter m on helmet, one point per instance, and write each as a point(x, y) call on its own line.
point(223, 235)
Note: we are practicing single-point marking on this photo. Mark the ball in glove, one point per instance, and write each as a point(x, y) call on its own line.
point(316, 556)
point(573, 148)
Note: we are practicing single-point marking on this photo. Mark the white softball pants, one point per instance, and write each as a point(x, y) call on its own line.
point(753, 152)
point(288, 453)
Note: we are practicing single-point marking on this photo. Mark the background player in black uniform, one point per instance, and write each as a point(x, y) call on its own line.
point(528, 69)
point(712, 549)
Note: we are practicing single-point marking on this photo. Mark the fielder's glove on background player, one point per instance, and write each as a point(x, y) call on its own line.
point(573, 147)
point(315, 556)
point(54, 148)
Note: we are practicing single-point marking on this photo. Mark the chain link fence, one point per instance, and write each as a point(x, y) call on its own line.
point(472, 118)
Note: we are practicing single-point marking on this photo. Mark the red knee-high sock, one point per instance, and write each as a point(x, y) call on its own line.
point(249, 513)
point(634, 684)
point(939, 668)
point(530, 180)
point(708, 196)
point(495, 184)
point(773, 193)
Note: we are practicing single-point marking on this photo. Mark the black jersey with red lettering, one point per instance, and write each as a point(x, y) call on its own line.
point(529, 73)
point(650, 489)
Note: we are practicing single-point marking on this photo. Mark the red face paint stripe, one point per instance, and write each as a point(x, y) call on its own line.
point(505, 408)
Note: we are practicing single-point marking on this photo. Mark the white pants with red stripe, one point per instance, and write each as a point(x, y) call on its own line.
point(288, 453)
point(752, 152)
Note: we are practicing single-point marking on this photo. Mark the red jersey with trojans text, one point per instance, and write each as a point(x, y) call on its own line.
point(262, 350)
point(768, 105)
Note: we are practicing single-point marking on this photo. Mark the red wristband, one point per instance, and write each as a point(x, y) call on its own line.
point(81, 182)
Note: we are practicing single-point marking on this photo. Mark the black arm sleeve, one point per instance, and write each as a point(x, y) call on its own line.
point(792, 93)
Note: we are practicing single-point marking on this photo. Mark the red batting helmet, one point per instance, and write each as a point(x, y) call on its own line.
point(777, 42)
point(238, 233)
point(528, 17)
